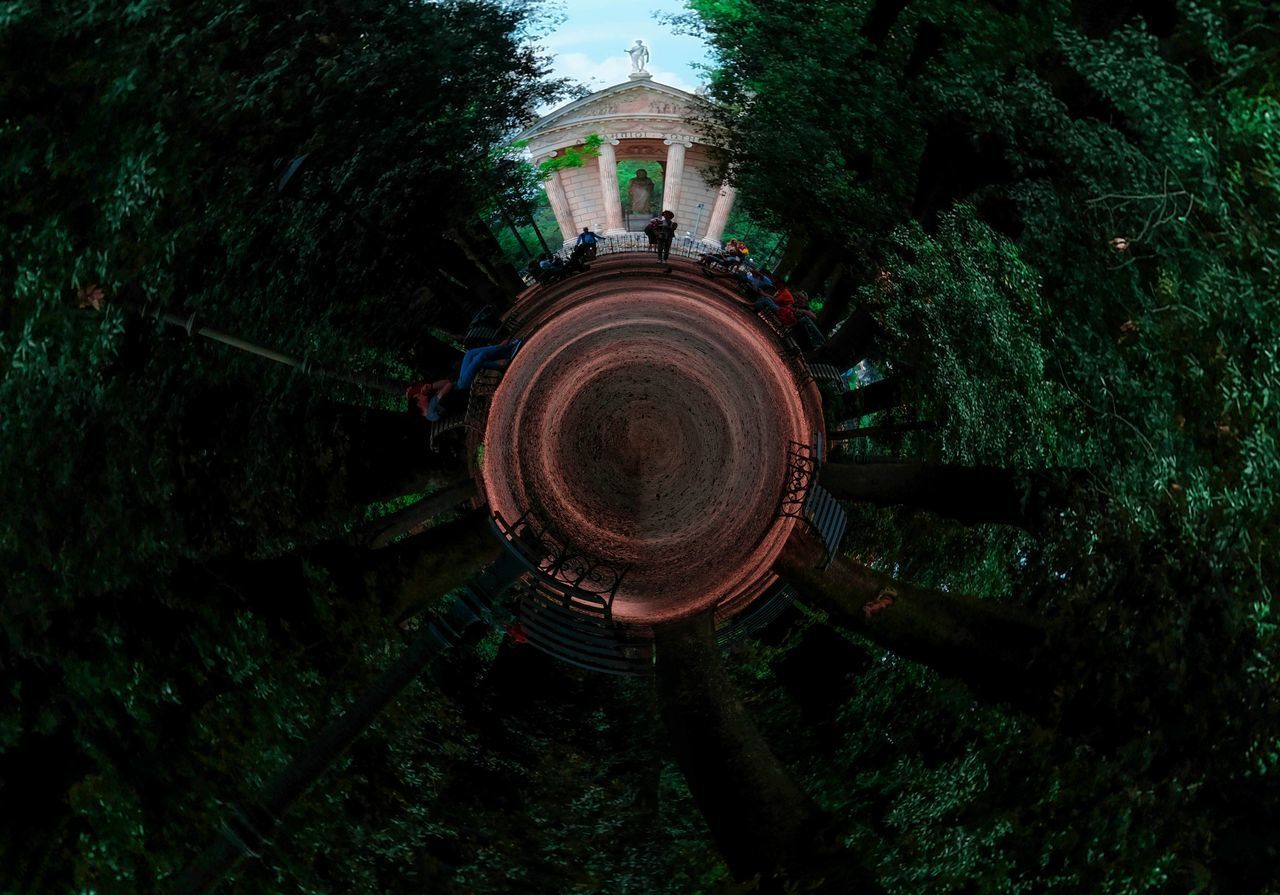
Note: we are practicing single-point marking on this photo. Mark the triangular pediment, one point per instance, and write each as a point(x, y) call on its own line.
point(642, 105)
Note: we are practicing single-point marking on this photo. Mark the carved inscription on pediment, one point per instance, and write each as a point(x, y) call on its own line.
point(641, 104)
point(597, 109)
point(669, 107)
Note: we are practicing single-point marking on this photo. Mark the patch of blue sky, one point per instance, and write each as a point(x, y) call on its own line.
point(589, 44)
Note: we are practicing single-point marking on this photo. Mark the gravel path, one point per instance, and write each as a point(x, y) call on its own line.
point(647, 420)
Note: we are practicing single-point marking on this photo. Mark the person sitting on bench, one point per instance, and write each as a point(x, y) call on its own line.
point(430, 396)
point(755, 282)
point(735, 252)
point(782, 303)
point(490, 357)
point(426, 397)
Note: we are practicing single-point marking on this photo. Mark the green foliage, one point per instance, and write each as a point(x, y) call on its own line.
point(142, 470)
point(573, 157)
point(540, 219)
point(174, 623)
point(1060, 218)
point(961, 309)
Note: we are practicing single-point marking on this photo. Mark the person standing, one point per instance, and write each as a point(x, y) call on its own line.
point(661, 231)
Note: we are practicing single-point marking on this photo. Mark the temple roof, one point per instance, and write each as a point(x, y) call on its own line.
point(638, 108)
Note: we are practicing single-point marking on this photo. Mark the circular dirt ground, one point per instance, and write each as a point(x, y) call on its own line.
point(647, 422)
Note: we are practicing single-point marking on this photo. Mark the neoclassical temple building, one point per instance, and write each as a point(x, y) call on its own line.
point(639, 120)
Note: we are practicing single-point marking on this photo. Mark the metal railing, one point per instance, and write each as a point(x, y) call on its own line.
point(802, 469)
point(627, 243)
point(681, 247)
point(589, 584)
point(693, 249)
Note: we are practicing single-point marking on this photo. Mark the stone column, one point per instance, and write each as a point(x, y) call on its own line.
point(673, 177)
point(719, 215)
point(559, 204)
point(609, 189)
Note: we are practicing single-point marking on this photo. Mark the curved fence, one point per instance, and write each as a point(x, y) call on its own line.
point(625, 243)
point(681, 247)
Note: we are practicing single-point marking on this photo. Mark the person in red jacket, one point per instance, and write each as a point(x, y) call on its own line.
point(429, 396)
point(426, 397)
point(782, 303)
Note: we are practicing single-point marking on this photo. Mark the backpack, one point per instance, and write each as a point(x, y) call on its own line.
point(654, 227)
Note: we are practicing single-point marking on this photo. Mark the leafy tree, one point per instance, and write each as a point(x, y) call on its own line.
point(1042, 222)
point(1051, 226)
point(165, 624)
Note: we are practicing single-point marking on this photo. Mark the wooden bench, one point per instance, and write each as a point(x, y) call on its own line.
point(827, 518)
point(443, 425)
point(580, 631)
point(482, 334)
point(478, 399)
point(758, 615)
point(828, 373)
point(789, 350)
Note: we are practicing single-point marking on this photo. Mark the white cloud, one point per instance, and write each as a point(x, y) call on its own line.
point(597, 74)
point(614, 32)
point(590, 45)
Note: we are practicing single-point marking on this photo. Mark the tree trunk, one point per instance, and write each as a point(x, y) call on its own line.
point(993, 648)
point(881, 18)
point(880, 395)
point(836, 305)
point(877, 431)
point(797, 244)
point(393, 583)
point(852, 342)
point(969, 494)
point(926, 44)
point(1097, 18)
point(407, 576)
point(763, 825)
point(817, 266)
point(955, 162)
point(337, 459)
point(388, 453)
point(494, 284)
point(415, 518)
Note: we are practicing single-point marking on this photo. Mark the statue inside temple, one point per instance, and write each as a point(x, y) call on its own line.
point(640, 192)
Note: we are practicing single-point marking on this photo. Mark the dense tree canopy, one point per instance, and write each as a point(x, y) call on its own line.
point(1046, 661)
point(163, 497)
point(1046, 223)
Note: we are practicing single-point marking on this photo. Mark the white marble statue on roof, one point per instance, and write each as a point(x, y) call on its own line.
point(639, 57)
